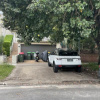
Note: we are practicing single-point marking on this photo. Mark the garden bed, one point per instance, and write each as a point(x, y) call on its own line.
point(91, 69)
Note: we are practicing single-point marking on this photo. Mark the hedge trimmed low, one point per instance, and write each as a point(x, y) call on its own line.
point(7, 43)
point(1, 44)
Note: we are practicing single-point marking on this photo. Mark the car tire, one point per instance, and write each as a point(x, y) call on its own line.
point(55, 68)
point(49, 63)
point(78, 69)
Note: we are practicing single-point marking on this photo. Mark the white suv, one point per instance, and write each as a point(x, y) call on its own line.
point(61, 59)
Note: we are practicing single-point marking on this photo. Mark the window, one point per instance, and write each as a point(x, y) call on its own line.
point(67, 53)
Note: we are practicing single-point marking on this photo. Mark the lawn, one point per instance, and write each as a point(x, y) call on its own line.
point(5, 70)
point(92, 66)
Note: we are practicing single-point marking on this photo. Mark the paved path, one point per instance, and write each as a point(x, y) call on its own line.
point(40, 73)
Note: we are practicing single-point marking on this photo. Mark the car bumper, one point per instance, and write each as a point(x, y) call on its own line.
point(68, 66)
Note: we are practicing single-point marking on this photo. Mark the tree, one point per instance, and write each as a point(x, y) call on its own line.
point(15, 18)
point(73, 19)
point(30, 18)
point(87, 45)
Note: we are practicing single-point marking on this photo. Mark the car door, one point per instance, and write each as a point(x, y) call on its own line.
point(51, 57)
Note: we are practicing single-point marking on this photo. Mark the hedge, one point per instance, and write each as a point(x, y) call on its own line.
point(1, 44)
point(7, 43)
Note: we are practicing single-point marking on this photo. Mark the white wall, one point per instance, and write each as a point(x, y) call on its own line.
point(3, 59)
point(14, 59)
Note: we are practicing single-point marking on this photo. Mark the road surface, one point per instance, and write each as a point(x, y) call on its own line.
point(69, 92)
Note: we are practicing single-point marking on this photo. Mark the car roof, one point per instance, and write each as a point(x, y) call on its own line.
point(59, 49)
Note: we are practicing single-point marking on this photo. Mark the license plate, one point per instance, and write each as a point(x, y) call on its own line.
point(70, 60)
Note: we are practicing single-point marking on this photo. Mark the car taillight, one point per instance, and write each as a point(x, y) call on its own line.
point(59, 58)
point(59, 65)
point(79, 65)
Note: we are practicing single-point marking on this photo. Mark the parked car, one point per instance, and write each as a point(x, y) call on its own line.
point(61, 59)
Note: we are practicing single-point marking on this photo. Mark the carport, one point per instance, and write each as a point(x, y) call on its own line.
point(37, 47)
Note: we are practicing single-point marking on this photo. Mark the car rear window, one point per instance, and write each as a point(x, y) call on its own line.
point(66, 53)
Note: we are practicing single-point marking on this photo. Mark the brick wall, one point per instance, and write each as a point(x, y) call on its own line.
point(89, 57)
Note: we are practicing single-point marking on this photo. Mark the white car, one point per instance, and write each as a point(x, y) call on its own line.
point(60, 59)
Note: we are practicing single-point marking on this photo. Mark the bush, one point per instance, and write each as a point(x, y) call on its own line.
point(7, 43)
point(87, 45)
point(1, 44)
point(92, 66)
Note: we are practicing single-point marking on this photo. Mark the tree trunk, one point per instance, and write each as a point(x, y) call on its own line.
point(98, 53)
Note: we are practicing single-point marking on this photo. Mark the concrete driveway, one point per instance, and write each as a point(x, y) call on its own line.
point(40, 73)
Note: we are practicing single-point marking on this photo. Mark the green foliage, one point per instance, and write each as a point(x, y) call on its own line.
point(91, 66)
point(1, 44)
point(8, 38)
point(56, 37)
point(31, 17)
point(6, 46)
point(16, 18)
point(5, 70)
point(38, 37)
point(71, 18)
point(88, 43)
point(7, 43)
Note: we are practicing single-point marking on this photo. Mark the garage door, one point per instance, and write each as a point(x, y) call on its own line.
point(37, 47)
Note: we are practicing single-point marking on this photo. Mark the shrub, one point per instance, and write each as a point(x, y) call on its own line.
point(92, 66)
point(1, 44)
point(7, 43)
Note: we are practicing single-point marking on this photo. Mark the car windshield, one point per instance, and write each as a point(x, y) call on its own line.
point(67, 53)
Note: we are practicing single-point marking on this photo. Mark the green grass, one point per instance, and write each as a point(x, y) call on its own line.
point(92, 66)
point(5, 70)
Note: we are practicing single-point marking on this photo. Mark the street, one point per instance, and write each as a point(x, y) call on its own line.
point(61, 92)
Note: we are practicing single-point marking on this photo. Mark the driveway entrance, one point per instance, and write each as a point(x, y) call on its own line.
point(40, 73)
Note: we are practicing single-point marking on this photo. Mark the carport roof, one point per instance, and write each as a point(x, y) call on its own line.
point(41, 43)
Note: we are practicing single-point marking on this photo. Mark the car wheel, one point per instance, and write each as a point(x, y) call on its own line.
point(79, 69)
point(49, 63)
point(55, 68)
